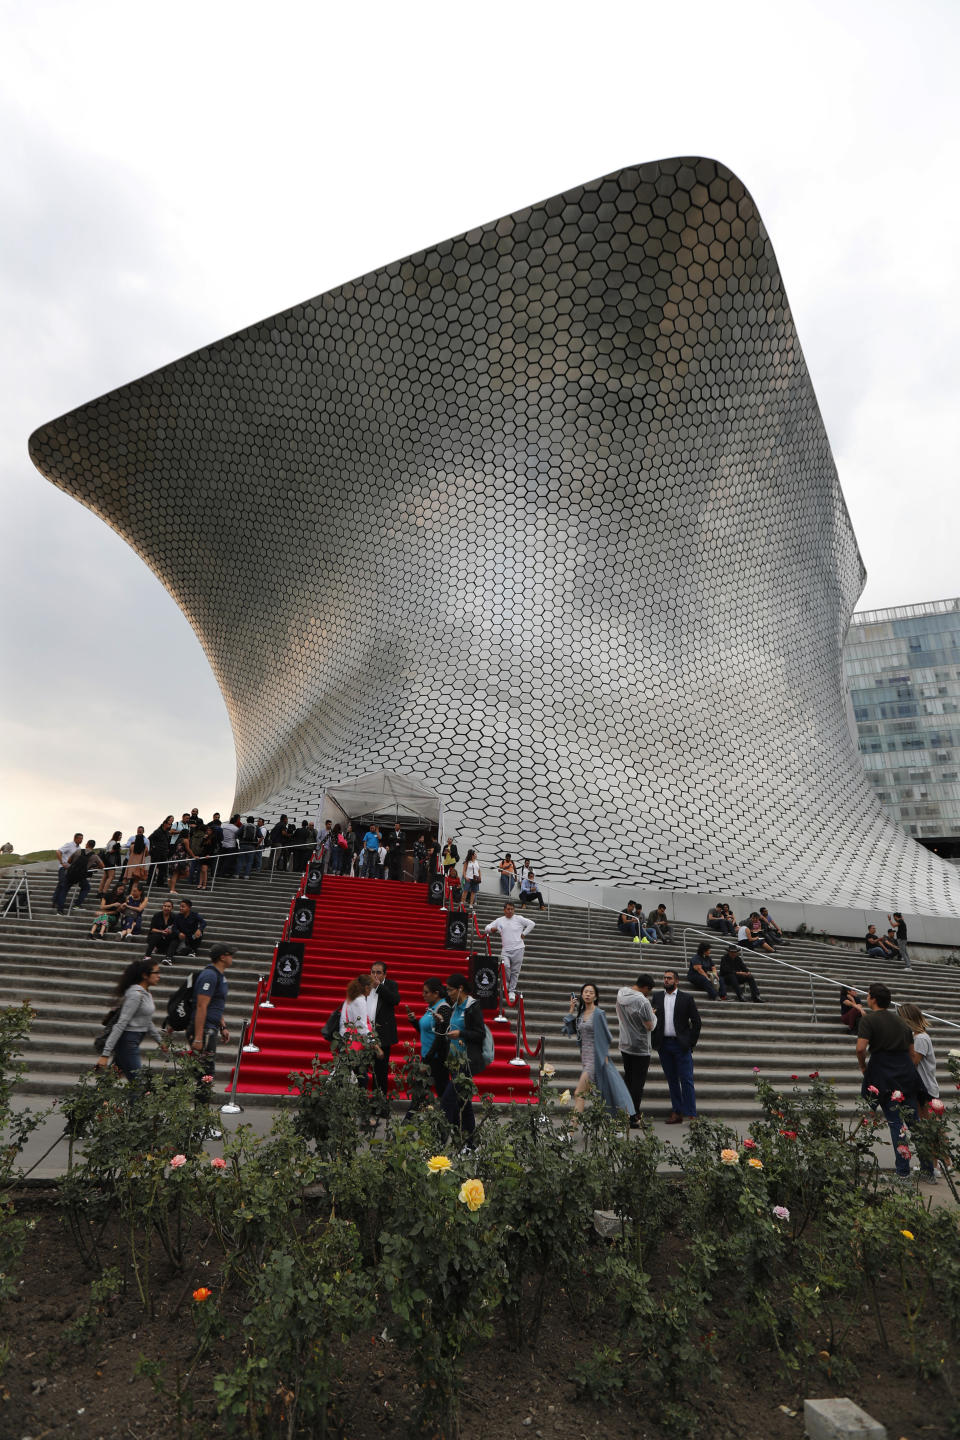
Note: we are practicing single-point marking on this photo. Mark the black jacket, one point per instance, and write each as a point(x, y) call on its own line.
point(686, 1019)
point(388, 997)
point(472, 1032)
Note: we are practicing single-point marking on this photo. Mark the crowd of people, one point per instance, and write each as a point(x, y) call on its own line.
point(450, 1033)
point(895, 1051)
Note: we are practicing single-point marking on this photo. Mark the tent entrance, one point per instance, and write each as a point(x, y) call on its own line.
point(383, 798)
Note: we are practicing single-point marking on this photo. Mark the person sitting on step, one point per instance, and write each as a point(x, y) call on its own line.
point(736, 972)
point(702, 975)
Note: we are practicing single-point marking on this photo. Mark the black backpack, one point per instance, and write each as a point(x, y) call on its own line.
point(180, 1004)
point(248, 835)
point(332, 1026)
point(108, 1022)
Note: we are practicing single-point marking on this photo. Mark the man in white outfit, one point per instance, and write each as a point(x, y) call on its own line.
point(512, 928)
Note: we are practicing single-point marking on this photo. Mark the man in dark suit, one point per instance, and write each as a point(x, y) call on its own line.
point(381, 1008)
point(674, 1036)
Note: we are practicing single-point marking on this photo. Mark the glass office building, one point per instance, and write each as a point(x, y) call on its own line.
point(902, 669)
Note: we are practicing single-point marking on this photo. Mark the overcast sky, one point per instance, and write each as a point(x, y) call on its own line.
point(171, 173)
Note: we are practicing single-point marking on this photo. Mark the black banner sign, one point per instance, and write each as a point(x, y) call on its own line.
point(304, 914)
point(435, 890)
point(314, 878)
point(484, 981)
point(288, 970)
point(457, 932)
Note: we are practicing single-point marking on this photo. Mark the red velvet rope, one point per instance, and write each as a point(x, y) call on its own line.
point(523, 1033)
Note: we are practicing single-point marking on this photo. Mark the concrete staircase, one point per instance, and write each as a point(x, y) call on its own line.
point(68, 978)
point(781, 1036)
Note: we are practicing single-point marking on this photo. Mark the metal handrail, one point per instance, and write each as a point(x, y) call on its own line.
point(801, 970)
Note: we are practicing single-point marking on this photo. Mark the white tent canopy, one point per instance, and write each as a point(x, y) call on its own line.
point(382, 795)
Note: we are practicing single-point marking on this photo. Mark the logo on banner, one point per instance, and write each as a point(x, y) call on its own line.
point(458, 930)
point(486, 978)
point(314, 877)
point(288, 969)
point(303, 918)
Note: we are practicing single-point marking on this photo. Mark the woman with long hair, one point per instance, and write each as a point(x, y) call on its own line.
point(471, 879)
point(135, 1018)
point(112, 862)
point(924, 1057)
point(587, 1022)
point(138, 856)
point(131, 916)
point(353, 1011)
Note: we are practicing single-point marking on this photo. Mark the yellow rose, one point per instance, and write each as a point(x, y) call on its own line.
point(757, 1164)
point(549, 1070)
point(565, 1098)
point(729, 1157)
point(908, 1233)
point(471, 1194)
point(438, 1162)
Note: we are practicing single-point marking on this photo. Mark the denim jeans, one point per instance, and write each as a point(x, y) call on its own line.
point(892, 1116)
point(245, 863)
point(700, 982)
point(126, 1055)
point(677, 1064)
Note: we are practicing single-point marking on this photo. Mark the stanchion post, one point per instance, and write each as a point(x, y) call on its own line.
point(268, 1002)
point(517, 1059)
point(251, 1047)
point(500, 1018)
point(231, 1107)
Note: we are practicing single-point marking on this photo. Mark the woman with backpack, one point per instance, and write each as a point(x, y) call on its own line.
point(465, 1037)
point(132, 1018)
point(112, 856)
point(432, 1029)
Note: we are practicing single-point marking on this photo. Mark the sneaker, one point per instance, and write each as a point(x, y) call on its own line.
point(636, 939)
point(165, 960)
point(512, 997)
point(214, 1135)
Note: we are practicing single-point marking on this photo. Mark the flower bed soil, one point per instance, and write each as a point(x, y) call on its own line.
point(58, 1386)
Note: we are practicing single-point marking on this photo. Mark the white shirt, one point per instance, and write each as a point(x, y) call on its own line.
point(146, 843)
point(372, 999)
point(512, 931)
point(472, 870)
point(354, 1012)
point(743, 934)
point(230, 833)
point(669, 1005)
point(67, 850)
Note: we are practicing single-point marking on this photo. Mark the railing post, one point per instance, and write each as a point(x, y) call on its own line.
point(273, 862)
point(588, 919)
point(813, 998)
point(517, 1059)
point(251, 1047)
point(266, 1003)
point(216, 868)
point(231, 1107)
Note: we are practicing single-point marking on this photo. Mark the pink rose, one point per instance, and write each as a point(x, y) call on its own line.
point(937, 1106)
point(207, 1079)
point(218, 1164)
point(781, 1212)
point(749, 1144)
point(905, 1151)
point(897, 1097)
point(756, 1069)
point(177, 1161)
point(872, 1090)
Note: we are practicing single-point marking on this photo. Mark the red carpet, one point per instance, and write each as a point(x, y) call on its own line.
point(358, 922)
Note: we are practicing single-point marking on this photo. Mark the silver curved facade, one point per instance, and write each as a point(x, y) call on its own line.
point(544, 516)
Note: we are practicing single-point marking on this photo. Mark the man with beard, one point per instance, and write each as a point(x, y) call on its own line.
point(674, 1036)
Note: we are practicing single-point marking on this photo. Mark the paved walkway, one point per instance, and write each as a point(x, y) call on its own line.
point(45, 1154)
